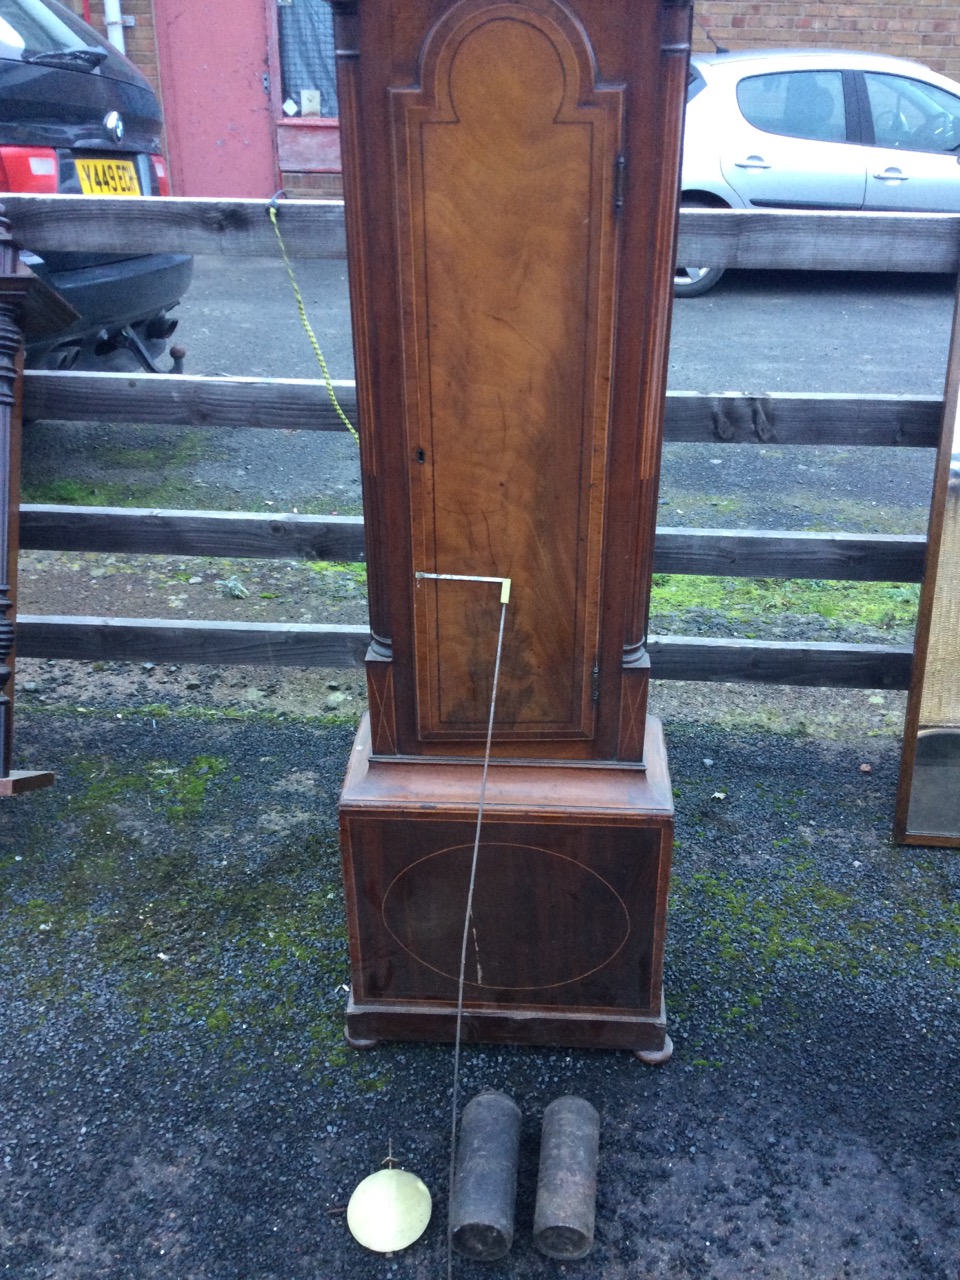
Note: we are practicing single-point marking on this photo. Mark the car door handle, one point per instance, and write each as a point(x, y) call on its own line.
point(891, 175)
point(752, 162)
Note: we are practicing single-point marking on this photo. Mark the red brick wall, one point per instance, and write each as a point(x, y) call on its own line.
point(927, 30)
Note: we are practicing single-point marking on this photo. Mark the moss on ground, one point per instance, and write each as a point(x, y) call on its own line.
point(885, 605)
point(165, 465)
point(145, 893)
point(354, 570)
point(759, 940)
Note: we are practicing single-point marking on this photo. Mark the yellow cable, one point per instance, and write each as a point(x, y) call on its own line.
point(271, 209)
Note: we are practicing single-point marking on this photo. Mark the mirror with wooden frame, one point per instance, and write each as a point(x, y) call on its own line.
point(928, 799)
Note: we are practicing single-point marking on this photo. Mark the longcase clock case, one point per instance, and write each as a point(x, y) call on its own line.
point(510, 170)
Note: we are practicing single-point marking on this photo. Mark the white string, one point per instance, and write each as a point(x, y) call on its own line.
point(463, 946)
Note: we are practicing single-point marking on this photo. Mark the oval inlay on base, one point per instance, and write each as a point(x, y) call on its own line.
point(424, 906)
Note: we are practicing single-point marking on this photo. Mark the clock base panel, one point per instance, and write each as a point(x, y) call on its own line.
point(569, 910)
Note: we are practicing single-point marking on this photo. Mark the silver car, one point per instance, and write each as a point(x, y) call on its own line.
point(817, 129)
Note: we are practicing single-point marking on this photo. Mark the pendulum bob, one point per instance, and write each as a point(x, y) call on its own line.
point(389, 1210)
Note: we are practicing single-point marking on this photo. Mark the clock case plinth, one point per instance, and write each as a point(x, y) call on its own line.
point(510, 173)
point(570, 901)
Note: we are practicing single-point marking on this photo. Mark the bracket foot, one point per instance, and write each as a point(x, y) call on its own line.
point(655, 1057)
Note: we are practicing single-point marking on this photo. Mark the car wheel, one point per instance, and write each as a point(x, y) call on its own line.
point(690, 282)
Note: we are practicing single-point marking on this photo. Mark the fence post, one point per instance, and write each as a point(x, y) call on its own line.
point(14, 284)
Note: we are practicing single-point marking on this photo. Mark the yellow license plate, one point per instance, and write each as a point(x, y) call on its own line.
point(108, 177)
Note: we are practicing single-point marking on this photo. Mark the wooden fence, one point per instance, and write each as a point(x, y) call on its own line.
point(824, 241)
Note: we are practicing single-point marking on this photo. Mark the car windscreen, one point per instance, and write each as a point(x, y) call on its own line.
point(29, 27)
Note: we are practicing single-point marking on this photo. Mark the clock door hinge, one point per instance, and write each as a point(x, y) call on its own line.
point(619, 181)
point(595, 683)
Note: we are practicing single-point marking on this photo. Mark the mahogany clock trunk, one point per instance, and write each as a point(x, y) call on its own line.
point(511, 172)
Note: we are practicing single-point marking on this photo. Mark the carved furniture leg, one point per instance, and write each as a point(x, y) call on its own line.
point(13, 287)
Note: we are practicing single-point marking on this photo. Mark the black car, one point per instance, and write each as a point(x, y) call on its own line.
point(77, 118)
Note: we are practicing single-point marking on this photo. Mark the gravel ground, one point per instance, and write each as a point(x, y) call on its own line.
point(176, 1100)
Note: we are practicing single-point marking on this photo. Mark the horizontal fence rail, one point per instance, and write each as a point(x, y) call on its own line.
point(853, 666)
point(814, 241)
point(132, 224)
point(277, 644)
point(144, 531)
point(313, 645)
point(717, 552)
point(772, 238)
point(178, 400)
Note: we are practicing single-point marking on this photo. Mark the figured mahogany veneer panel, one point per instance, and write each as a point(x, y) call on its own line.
point(589, 943)
point(506, 160)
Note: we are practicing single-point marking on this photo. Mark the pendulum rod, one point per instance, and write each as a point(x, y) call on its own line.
point(468, 912)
